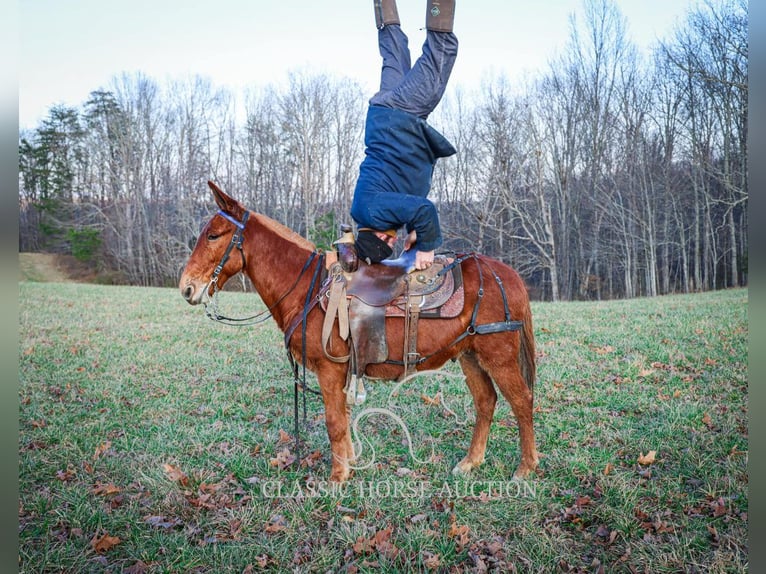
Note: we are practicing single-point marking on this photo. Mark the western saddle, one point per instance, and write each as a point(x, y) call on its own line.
point(360, 297)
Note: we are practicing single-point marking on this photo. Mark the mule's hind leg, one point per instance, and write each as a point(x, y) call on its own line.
point(484, 399)
point(508, 378)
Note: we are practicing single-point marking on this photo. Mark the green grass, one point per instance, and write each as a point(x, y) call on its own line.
point(142, 420)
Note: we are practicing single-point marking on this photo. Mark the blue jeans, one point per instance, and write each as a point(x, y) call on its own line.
point(401, 148)
point(415, 89)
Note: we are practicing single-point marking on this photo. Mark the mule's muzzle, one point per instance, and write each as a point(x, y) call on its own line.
point(192, 292)
point(187, 293)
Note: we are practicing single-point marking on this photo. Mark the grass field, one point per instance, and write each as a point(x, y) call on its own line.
point(154, 440)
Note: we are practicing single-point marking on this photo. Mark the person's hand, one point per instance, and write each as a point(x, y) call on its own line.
point(424, 259)
point(389, 239)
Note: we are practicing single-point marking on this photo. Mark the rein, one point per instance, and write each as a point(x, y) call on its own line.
point(299, 380)
point(212, 312)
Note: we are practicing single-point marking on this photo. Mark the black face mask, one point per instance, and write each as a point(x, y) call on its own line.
point(372, 249)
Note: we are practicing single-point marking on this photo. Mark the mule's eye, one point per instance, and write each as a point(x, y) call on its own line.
point(212, 237)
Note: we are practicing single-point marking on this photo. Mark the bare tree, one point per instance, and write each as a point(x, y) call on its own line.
point(601, 177)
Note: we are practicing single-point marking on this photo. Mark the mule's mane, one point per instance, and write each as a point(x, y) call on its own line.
point(284, 232)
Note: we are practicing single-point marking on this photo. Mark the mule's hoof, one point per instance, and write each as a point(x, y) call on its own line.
point(461, 471)
point(340, 476)
point(523, 473)
point(464, 467)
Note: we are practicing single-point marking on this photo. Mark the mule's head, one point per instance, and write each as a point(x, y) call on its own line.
point(210, 250)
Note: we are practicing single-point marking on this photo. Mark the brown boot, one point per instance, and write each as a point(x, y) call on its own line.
point(440, 15)
point(385, 13)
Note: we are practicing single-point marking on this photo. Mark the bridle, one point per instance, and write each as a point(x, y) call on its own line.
point(236, 241)
point(211, 311)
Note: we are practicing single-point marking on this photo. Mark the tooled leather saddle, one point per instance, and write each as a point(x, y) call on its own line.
point(361, 301)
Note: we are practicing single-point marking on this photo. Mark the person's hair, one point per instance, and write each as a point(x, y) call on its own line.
point(371, 248)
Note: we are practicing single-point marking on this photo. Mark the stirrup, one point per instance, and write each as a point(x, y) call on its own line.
point(356, 394)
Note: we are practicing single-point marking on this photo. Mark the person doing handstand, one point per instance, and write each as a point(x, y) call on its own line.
point(401, 149)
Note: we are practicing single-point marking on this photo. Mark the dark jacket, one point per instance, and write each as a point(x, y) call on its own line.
point(395, 176)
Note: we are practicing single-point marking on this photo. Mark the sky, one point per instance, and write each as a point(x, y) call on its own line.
point(69, 48)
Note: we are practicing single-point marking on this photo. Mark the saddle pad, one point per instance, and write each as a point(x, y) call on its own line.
point(444, 303)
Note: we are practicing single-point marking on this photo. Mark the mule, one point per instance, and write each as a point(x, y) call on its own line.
point(282, 267)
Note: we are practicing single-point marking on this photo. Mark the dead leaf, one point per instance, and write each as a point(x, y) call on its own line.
point(461, 535)
point(431, 401)
point(66, 475)
point(162, 522)
point(312, 459)
point(175, 474)
point(608, 468)
point(100, 489)
point(381, 541)
point(707, 421)
point(283, 459)
point(735, 451)
point(303, 554)
point(647, 459)
point(102, 449)
point(641, 515)
point(714, 539)
point(211, 488)
point(431, 561)
point(603, 350)
point(284, 438)
point(277, 523)
point(719, 507)
point(104, 543)
point(608, 535)
point(139, 567)
point(602, 531)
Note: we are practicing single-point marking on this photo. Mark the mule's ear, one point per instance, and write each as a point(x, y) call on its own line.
point(222, 200)
point(225, 202)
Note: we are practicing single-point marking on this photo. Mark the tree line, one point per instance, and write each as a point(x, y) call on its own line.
point(609, 174)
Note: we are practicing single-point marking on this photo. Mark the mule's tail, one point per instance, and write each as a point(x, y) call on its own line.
point(527, 350)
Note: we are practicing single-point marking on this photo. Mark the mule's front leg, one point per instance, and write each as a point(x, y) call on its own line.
point(337, 422)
